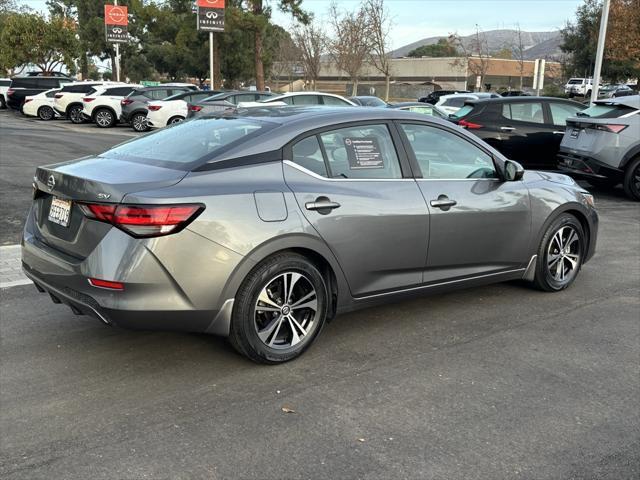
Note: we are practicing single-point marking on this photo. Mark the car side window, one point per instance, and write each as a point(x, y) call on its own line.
point(306, 100)
point(530, 112)
point(446, 156)
point(338, 102)
point(287, 100)
point(307, 154)
point(245, 97)
point(561, 111)
point(361, 152)
point(51, 94)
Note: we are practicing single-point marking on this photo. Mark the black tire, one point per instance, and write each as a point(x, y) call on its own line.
point(3, 103)
point(74, 114)
point(632, 179)
point(275, 344)
point(604, 183)
point(176, 119)
point(588, 94)
point(46, 113)
point(104, 118)
point(139, 122)
point(549, 275)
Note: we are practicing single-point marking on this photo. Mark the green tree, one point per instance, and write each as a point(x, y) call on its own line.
point(441, 49)
point(580, 39)
point(28, 38)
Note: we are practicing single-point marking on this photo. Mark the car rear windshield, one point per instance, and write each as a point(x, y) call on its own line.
point(575, 81)
point(5, 83)
point(188, 144)
point(465, 110)
point(600, 110)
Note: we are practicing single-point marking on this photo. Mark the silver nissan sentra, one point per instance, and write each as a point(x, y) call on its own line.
point(263, 225)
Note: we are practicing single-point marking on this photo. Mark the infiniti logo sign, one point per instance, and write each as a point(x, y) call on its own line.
point(211, 15)
point(51, 182)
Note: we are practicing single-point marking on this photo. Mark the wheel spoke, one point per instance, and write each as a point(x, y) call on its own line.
point(264, 298)
point(306, 302)
point(573, 259)
point(553, 259)
point(297, 324)
point(265, 333)
point(295, 338)
point(292, 283)
point(573, 237)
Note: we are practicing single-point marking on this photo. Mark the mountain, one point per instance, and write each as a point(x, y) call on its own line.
point(537, 44)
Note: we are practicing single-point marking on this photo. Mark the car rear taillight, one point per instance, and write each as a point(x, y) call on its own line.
point(155, 108)
point(611, 128)
point(88, 99)
point(143, 220)
point(96, 282)
point(195, 108)
point(125, 101)
point(58, 95)
point(469, 125)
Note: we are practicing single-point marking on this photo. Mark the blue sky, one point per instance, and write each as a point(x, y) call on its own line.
point(417, 19)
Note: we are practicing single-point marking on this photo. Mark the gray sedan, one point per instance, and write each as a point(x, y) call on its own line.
point(265, 225)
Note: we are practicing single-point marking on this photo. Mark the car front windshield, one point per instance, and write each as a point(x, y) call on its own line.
point(187, 144)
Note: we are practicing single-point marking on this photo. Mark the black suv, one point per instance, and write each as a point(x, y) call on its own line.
point(22, 87)
point(525, 129)
point(134, 106)
point(434, 96)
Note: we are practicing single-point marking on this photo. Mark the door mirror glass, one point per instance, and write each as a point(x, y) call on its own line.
point(513, 171)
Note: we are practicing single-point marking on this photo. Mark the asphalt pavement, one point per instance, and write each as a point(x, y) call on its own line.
point(498, 382)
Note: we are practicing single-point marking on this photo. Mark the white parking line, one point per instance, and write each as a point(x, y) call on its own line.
point(11, 267)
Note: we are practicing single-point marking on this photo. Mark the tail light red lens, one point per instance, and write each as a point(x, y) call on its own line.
point(610, 128)
point(195, 108)
point(96, 282)
point(88, 99)
point(125, 101)
point(155, 108)
point(58, 95)
point(144, 220)
point(469, 125)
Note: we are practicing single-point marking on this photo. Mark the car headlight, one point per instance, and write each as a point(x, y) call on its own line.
point(588, 198)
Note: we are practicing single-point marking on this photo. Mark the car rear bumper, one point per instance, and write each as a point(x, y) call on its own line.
point(586, 167)
point(152, 299)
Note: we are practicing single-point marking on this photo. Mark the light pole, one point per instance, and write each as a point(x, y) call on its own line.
point(117, 46)
point(600, 50)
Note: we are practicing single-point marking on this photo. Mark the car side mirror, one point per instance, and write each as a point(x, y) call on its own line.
point(513, 171)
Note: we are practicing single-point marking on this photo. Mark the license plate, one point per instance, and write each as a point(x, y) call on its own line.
point(60, 211)
point(575, 132)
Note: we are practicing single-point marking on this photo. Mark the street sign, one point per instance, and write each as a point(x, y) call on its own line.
point(211, 15)
point(116, 22)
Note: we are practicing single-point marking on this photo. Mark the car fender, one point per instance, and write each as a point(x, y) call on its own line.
point(72, 104)
point(631, 153)
point(99, 107)
point(293, 241)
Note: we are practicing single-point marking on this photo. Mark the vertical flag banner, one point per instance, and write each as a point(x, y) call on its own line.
point(211, 15)
point(116, 21)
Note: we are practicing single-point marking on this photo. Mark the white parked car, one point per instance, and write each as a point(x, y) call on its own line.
point(302, 98)
point(102, 105)
point(454, 102)
point(5, 83)
point(579, 86)
point(41, 105)
point(173, 109)
point(68, 101)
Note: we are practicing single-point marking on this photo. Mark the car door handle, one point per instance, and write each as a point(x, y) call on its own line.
point(558, 132)
point(507, 129)
point(321, 205)
point(443, 202)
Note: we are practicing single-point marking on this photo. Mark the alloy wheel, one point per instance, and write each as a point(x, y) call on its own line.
point(45, 113)
point(176, 120)
point(75, 115)
point(139, 123)
point(563, 254)
point(636, 180)
point(104, 118)
point(286, 311)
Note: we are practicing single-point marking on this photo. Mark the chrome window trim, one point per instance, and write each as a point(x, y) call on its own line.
point(341, 180)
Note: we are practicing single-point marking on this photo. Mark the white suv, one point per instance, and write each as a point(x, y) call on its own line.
point(102, 104)
point(579, 86)
point(5, 83)
point(68, 101)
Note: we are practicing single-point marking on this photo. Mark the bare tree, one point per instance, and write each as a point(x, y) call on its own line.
point(285, 58)
point(379, 28)
point(350, 46)
point(310, 41)
point(475, 52)
point(518, 52)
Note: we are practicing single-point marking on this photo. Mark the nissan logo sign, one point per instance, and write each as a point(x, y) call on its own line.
point(51, 182)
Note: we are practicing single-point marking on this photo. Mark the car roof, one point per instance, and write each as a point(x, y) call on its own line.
point(522, 99)
point(631, 101)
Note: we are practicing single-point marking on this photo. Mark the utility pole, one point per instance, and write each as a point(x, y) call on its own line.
point(117, 46)
point(600, 50)
point(211, 60)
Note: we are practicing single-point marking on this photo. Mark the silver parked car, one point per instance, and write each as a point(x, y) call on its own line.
point(265, 225)
point(602, 144)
